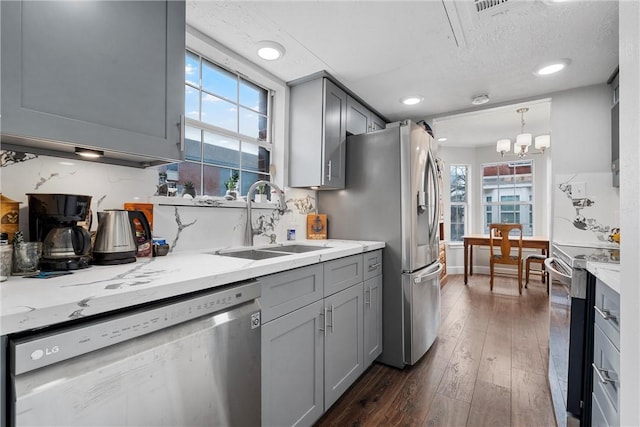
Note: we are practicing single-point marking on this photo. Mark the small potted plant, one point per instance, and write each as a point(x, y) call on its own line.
point(261, 197)
point(232, 186)
point(189, 189)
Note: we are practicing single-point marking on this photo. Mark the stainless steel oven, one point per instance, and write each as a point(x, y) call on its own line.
point(572, 297)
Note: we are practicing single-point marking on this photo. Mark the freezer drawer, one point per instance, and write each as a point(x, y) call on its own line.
point(421, 311)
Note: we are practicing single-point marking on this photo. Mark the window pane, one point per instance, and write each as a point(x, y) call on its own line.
point(191, 103)
point(218, 112)
point(255, 157)
point(248, 178)
point(219, 81)
point(189, 171)
point(192, 144)
point(457, 222)
point(221, 150)
point(458, 183)
point(214, 180)
point(253, 124)
point(253, 97)
point(192, 69)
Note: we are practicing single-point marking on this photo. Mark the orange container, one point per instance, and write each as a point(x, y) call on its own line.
point(145, 243)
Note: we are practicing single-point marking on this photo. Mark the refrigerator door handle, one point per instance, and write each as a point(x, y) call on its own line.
point(433, 226)
point(427, 275)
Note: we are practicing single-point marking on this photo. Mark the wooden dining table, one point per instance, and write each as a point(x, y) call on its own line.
point(471, 240)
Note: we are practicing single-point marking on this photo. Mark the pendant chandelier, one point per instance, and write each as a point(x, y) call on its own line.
point(523, 141)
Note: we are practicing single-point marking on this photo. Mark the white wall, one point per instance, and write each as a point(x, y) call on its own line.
point(630, 220)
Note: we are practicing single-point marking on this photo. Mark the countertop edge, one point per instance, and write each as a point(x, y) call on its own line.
point(20, 311)
point(609, 274)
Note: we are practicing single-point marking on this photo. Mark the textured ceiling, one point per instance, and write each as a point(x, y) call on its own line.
point(442, 50)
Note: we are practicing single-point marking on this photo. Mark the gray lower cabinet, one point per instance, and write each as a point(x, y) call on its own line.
point(372, 320)
point(606, 357)
point(315, 323)
point(343, 348)
point(292, 368)
point(107, 75)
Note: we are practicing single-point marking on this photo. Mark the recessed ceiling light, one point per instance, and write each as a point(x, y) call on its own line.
point(412, 100)
point(270, 50)
point(443, 139)
point(551, 67)
point(480, 99)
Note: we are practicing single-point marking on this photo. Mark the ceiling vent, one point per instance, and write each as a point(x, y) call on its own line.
point(491, 7)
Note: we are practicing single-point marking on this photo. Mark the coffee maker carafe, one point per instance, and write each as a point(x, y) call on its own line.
point(55, 219)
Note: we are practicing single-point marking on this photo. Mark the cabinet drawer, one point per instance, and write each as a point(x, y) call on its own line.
point(607, 312)
point(341, 273)
point(597, 416)
point(372, 264)
point(285, 292)
point(606, 364)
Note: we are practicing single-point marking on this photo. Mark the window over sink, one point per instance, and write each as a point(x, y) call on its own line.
point(227, 129)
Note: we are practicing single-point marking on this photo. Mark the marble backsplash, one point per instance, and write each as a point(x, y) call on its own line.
point(586, 208)
point(187, 225)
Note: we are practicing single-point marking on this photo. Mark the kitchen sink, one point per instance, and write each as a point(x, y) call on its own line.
point(252, 254)
point(296, 249)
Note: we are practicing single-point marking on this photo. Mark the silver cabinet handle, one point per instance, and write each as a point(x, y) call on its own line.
point(323, 313)
point(367, 291)
point(606, 314)
point(603, 374)
point(329, 167)
point(374, 266)
point(331, 325)
point(181, 130)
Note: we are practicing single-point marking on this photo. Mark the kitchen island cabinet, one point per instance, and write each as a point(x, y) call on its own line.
point(318, 135)
point(106, 75)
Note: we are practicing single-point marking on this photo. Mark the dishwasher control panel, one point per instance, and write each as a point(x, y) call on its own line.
point(44, 349)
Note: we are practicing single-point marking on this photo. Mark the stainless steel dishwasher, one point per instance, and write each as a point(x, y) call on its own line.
point(192, 361)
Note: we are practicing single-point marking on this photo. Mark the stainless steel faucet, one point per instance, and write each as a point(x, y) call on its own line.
point(282, 207)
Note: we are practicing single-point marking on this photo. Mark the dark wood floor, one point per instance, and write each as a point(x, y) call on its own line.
point(488, 366)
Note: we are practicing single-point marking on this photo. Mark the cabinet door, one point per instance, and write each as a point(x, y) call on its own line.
point(103, 74)
point(372, 320)
point(292, 355)
point(335, 135)
point(377, 123)
point(343, 356)
point(357, 117)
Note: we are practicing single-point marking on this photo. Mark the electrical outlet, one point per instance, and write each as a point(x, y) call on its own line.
point(579, 190)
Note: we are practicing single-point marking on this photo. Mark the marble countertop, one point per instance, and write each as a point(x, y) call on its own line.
point(607, 272)
point(28, 303)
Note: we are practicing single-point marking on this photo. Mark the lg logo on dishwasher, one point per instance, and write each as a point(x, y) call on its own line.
point(38, 354)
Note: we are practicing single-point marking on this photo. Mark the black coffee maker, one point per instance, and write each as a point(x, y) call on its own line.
point(56, 221)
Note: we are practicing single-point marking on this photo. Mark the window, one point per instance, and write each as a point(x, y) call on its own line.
point(227, 129)
point(458, 200)
point(507, 194)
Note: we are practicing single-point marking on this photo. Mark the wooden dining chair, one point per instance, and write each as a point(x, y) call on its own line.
point(499, 235)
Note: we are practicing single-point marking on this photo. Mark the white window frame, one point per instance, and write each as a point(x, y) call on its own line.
point(499, 203)
point(464, 205)
point(202, 44)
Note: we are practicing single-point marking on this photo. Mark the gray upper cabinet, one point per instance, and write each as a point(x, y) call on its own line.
point(360, 119)
point(318, 135)
point(107, 75)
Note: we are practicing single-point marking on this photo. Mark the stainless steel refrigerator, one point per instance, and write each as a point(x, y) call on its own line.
point(391, 195)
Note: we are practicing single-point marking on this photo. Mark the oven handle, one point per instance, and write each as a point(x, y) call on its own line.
point(557, 266)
